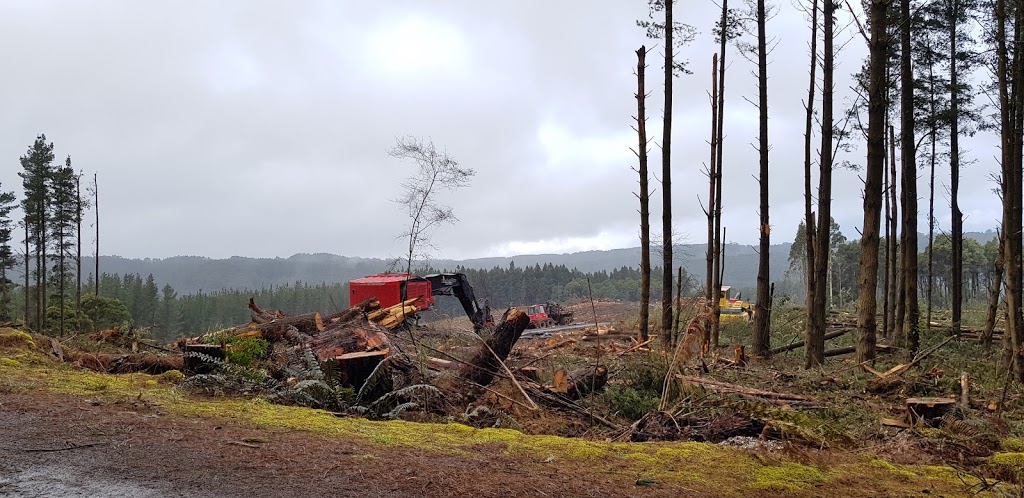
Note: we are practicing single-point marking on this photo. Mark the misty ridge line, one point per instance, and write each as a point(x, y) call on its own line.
point(191, 274)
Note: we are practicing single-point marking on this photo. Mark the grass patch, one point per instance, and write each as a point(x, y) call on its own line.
point(789, 477)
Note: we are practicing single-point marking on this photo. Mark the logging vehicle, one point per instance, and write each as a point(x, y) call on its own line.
point(394, 288)
point(548, 314)
point(733, 308)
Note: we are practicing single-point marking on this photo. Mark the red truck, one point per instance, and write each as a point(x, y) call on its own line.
point(548, 314)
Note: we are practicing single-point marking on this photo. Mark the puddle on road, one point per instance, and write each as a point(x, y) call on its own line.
point(58, 481)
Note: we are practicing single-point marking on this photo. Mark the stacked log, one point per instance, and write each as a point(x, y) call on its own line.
point(395, 316)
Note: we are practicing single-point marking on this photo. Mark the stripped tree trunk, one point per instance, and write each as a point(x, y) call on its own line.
point(645, 213)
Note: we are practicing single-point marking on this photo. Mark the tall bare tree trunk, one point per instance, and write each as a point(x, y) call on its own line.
point(994, 292)
point(822, 239)
point(815, 332)
point(909, 152)
point(78, 245)
point(762, 325)
point(666, 185)
point(868, 270)
point(719, 139)
point(889, 260)
point(96, 209)
point(710, 293)
point(1010, 114)
point(909, 160)
point(931, 195)
point(957, 217)
point(28, 271)
point(892, 247)
point(645, 212)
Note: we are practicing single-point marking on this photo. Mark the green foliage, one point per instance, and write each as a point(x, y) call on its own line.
point(7, 257)
point(105, 312)
point(75, 321)
point(637, 388)
point(629, 402)
point(243, 351)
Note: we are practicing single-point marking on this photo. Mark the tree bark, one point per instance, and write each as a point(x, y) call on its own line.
point(666, 186)
point(28, 271)
point(1012, 201)
point(909, 160)
point(957, 217)
point(645, 213)
point(96, 209)
point(892, 247)
point(710, 295)
point(78, 245)
point(931, 195)
point(994, 292)
point(762, 325)
point(481, 368)
point(719, 139)
point(889, 239)
point(868, 270)
point(823, 233)
point(814, 333)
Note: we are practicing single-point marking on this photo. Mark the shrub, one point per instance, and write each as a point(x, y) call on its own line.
point(245, 350)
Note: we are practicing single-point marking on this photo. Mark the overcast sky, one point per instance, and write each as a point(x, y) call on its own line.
point(258, 128)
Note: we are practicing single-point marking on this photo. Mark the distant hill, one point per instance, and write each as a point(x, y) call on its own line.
point(188, 274)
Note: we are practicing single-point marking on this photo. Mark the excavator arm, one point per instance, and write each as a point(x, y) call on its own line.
point(456, 284)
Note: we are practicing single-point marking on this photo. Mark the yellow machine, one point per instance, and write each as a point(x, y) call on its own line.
point(734, 308)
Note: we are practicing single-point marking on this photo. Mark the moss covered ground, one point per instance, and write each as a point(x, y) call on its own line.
point(712, 469)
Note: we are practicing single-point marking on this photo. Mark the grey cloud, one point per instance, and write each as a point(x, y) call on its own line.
point(261, 128)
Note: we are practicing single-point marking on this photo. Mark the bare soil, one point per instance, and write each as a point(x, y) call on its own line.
point(65, 446)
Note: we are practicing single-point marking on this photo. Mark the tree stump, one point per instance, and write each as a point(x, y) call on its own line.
point(928, 411)
point(352, 369)
point(200, 363)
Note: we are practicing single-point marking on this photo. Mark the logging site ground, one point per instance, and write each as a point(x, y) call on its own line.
point(941, 423)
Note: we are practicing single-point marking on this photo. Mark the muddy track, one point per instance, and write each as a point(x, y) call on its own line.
point(136, 450)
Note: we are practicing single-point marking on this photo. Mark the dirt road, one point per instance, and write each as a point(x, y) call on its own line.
point(64, 446)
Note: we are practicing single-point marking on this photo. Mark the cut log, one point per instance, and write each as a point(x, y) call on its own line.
point(199, 362)
point(928, 411)
point(262, 315)
point(740, 356)
point(348, 338)
point(483, 366)
point(965, 390)
point(532, 373)
point(586, 381)
point(892, 422)
point(724, 387)
point(355, 311)
point(800, 344)
point(126, 363)
point(352, 369)
point(879, 348)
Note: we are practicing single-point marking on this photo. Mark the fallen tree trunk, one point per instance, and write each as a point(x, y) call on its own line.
point(482, 366)
point(724, 387)
point(127, 363)
point(586, 381)
point(307, 323)
point(798, 345)
point(879, 348)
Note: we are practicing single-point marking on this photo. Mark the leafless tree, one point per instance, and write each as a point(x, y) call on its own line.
point(435, 171)
point(644, 196)
point(762, 317)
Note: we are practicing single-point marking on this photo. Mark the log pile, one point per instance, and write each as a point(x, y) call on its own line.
point(395, 316)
